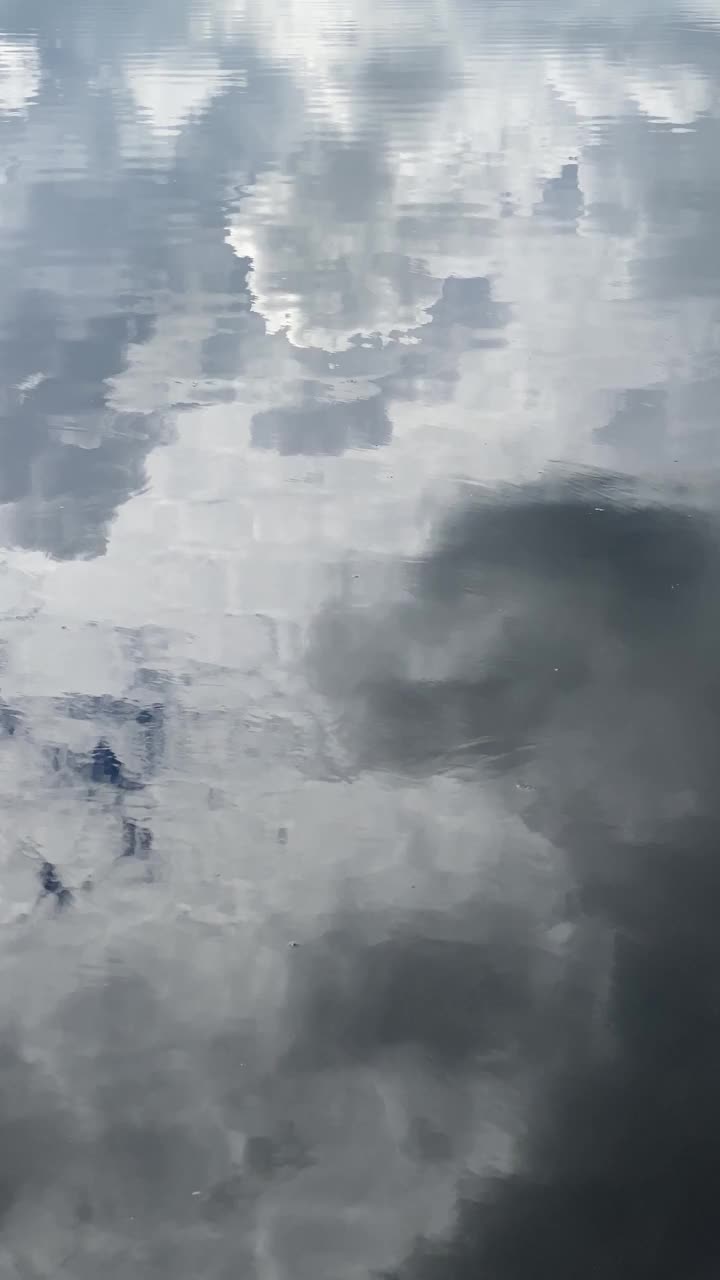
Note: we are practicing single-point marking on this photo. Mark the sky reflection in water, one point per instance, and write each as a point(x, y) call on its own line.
point(358, 693)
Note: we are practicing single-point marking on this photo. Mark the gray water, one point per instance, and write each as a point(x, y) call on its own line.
point(359, 633)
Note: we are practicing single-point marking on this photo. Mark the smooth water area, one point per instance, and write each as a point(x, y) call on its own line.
point(359, 634)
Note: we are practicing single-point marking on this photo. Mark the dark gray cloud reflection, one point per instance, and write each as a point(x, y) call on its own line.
point(424, 989)
point(565, 636)
point(537, 608)
point(623, 1153)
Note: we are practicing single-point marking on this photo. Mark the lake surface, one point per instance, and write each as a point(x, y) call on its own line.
point(359, 634)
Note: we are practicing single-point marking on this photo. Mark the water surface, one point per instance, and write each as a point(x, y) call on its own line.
point(358, 628)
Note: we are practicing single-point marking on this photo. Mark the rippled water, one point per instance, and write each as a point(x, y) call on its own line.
point(359, 698)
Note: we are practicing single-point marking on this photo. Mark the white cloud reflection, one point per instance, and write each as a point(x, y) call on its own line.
point(494, 128)
point(19, 74)
point(174, 88)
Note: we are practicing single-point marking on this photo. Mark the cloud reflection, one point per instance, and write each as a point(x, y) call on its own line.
point(464, 154)
point(562, 637)
point(404, 956)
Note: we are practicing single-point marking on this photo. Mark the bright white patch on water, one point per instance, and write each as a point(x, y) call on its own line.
point(19, 74)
